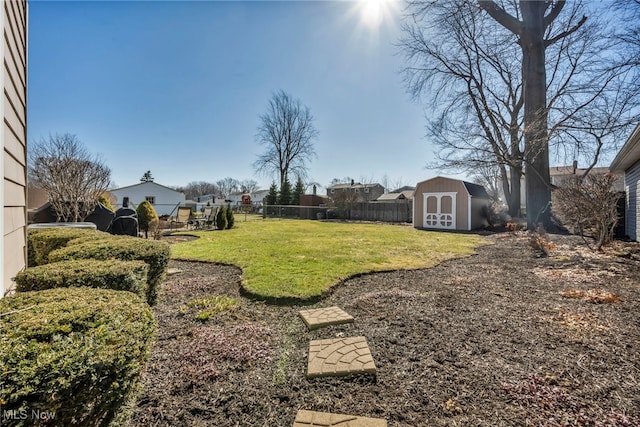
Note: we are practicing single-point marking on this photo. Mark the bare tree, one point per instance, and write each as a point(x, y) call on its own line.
point(73, 178)
point(227, 186)
point(490, 177)
point(588, 205)
point(510, 83)
point(470, 71)
point(195, 189)
point(287, 132)
point(248, 186)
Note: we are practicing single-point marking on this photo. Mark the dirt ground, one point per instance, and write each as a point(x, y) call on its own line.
point(504, 337)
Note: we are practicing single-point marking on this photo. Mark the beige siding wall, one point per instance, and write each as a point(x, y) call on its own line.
point(441, 185)
point(14, 140)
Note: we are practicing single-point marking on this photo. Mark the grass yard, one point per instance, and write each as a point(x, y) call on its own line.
point(302, 259)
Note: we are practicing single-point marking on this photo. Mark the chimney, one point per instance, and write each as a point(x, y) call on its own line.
point(352, 182)
point(314, 189)
point(575, 166)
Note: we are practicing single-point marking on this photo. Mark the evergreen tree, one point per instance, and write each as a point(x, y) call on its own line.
point(230, 219)
point(147, 177)
point(285, 193)
point(221, 219)
point(146, 214)
point(272, 197)
point(298, 191)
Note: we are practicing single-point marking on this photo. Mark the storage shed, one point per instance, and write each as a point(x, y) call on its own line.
point(450, 204)
point(628, 162)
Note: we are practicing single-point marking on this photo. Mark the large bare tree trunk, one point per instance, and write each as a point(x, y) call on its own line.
point(534, 78)
point(513, 199)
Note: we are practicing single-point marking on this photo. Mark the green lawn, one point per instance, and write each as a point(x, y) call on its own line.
point(302, 259)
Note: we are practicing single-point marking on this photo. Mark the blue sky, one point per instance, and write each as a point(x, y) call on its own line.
point(177, 87)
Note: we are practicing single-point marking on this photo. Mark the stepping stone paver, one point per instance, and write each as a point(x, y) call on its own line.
point(324, 419)
point(339, 357)
point(319, 317)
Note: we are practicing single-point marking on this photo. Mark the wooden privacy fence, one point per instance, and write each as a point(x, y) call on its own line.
point(381, 211)
point(359, 211)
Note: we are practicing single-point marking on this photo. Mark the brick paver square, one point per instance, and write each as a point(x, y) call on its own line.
point(319, 317)
point(325, 419)
point(340, 356)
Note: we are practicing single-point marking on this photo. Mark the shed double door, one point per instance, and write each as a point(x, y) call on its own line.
point(440, 210)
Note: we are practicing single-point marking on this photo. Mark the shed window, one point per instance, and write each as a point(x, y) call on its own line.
point(151, 199)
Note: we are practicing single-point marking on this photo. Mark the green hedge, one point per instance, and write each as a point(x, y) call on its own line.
point(42, 241)
point(74, 353)
point(112, 274)
point(155, 254)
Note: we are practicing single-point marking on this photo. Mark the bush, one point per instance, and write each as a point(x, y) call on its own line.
point(106, 203)
point(114, 274)
point(155, 254)
point(69, 354)
point(230, 218)
point(588, 205)
point(146, 216)
point(221, 219)
point(42, 241)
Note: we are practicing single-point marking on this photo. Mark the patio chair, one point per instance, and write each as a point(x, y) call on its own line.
point(209, 216)
point(182, 217)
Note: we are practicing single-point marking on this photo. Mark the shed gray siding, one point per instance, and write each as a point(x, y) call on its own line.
point(632, 187)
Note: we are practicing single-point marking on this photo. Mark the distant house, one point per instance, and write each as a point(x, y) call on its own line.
point(450, 204)
point(558, 174)
point(627, 162)
point(355, 192)
point(257, 197)
point(165, 200)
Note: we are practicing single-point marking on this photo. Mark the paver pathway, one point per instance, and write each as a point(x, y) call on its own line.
point(340, 356)
point(325, 419)
point(319, 317)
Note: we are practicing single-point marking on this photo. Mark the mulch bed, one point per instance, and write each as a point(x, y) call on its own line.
point(504, 337)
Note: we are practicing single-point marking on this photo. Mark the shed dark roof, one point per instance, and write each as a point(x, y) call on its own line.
point(476, 190)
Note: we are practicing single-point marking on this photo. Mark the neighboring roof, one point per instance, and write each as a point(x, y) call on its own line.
point(146, 183)
point(476, 190)
point(568, 170)
point(629, 154)
point(354, 185)
point(407, 195)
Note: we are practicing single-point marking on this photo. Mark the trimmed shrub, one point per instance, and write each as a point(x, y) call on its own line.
point(42, 241)
point(230, 218)
point(146, 216)
point(155, 254)
point(113, 274)
point(221, 219)
point(106, 203)
point(72, 354)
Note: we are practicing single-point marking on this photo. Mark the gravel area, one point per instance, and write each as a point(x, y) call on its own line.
point(503, 337)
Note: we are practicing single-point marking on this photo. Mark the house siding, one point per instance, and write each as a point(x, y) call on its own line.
point(631, 188)
point(14, 141)
point(166, 199)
